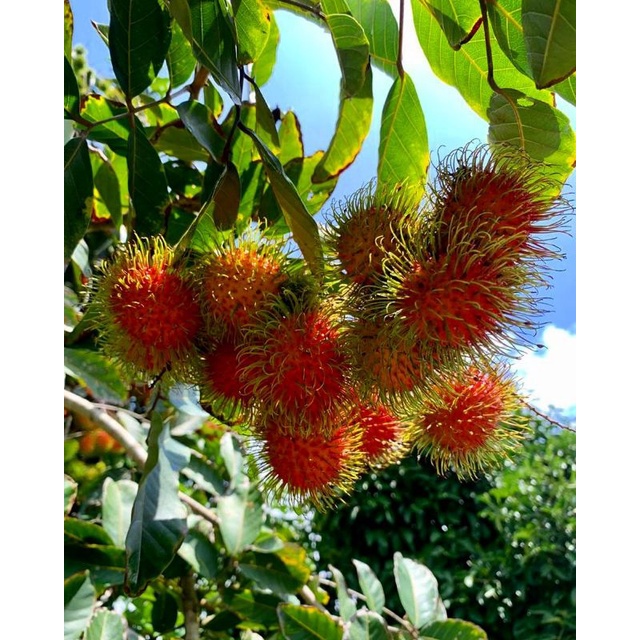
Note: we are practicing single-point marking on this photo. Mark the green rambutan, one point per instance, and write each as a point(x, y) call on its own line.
point(468, 421)
point(316, 467)
point(147, 312)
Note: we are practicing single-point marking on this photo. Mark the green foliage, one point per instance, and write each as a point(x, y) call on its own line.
point(182, 143)
point(502, 548)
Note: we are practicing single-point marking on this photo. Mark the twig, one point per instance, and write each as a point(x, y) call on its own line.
point(100, 418)
point(544, 416)
point(400, 39)
point(310, 598)
point(305, 7)
point(190, 608)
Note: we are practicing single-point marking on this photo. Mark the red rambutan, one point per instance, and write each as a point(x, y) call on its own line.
point(148, 316)
point(237, 281)
point(468, 421)
point(315, 467)
point(295, 365)
point(498, 202)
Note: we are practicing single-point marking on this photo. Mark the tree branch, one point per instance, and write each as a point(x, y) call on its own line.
point(544, 416)
point(190, 608)
point(100, 418)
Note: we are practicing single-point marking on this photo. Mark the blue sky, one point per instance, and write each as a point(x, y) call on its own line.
point(306, 79)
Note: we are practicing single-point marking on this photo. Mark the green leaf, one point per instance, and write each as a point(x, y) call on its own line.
point(139, 37)
point(263, 66)
point(159, 519)
point(213, 100)
point(544, 132)
point(102, 30)
point(117, 503)
point(458, 19)
point(96, 373)
point(226, 198)
point(78, 193)
point(198, 550)
point(106, 563)
point(204, 476)
point(257, 608)
point(352, 47)
point(180, 59)
point(567, 89)
point(403, 155)
point(290, 135)
point(207, 27)
point(200, 122)
point(71, 91)
point(78, 531)
point(303, 227)
point(107, 199)
point(148, 187)
point(418, 590)
point(370, 586)
point(302, 172)
point(115, 133)
point(550, 36)
point(181, 144)
point(368, 625)
point(241, 517)
point(284, 571)
point(265, 125)
point(307, 623)
point(70, 493)
point(105, 625)
point(347, 607)
point(453, 629)
point(466, 69)
point(79, 598)
point(506, 22)
point(381, 29)
point(68, 29)
point(354, 122)
point(253, 24)
point(231, 454)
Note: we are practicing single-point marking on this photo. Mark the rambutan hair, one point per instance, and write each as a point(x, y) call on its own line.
point(146, 311)
point(468, 421)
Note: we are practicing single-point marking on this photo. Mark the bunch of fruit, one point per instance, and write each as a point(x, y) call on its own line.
point(404, 345)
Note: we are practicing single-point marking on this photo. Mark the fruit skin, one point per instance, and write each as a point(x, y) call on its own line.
point(148, 317)
point(237, 281)
point(497, 202)
point(316, 467)
point(295, 366)
point(365, 228)
point(468, 421)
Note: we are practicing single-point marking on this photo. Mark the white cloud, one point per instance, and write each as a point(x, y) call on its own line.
point(548, 376)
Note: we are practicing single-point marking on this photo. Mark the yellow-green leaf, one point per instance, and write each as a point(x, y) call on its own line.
point(458, 19)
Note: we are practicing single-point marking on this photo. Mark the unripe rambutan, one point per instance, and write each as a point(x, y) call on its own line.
point(316, 467)
point(468, 421)
point(294, 365)
point(237, 281)
point(498, 202)
point(147, 311)
point(367, 227)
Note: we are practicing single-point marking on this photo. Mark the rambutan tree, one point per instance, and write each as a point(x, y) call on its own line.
point(240, 349)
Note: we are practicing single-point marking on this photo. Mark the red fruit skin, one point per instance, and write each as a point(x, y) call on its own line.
point(97, 443)
point(296, 367)
point(237, 284)
point(383, 433)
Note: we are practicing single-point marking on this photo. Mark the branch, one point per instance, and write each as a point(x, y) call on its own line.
point(544, 416)
point(190, 608)
point(100, 418)
point(400, 39)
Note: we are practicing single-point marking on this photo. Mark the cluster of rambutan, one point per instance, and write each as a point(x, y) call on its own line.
point(395, 350)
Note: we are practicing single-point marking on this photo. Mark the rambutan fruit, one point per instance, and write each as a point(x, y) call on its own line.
point(222, 385)
point(468, 421)
point(295, 365)
point(316, 467)
point(498, 202)
point(238, 280)
point(383, 432)
point(147, 312)
point(383, 360)
point(365, 228)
